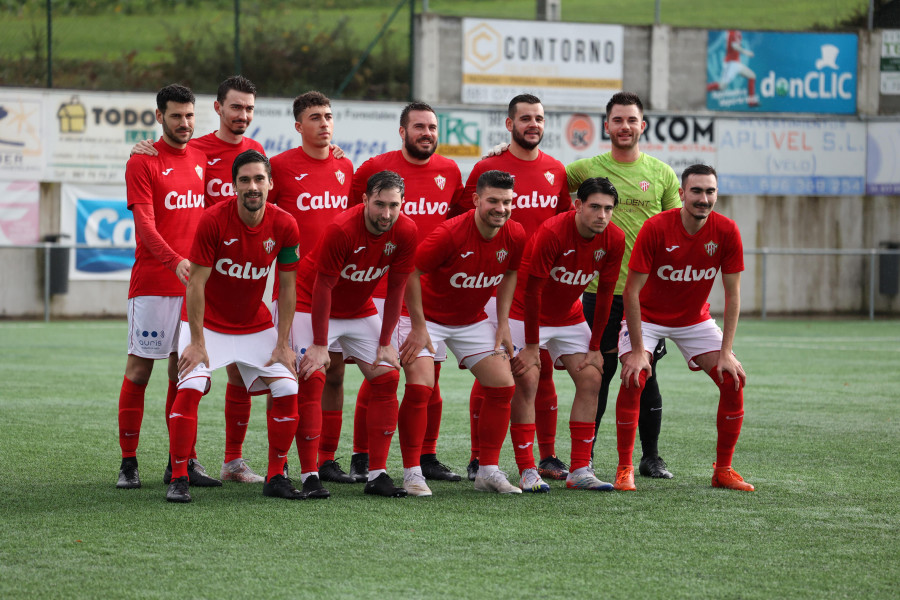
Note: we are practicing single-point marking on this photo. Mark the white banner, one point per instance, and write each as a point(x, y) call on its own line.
point(883, 160)
point(890, 61)
point(97, 215)
point(22, 135)
point(782, 157)
point(564, 64)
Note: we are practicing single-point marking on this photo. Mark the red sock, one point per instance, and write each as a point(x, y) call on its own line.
point(282, 425)
point(729, 418)
point(412, 420)
point(309, 428)
point(237, 417)
point(628, 408)
point(170, 400)
point(360, 418)
point(131, 413)
point(545, 408)
point(582, 442)
point(332, 420)
point(183, 429)
point(382, 417)
point(522, 437)
point(476, 399)
point(435, 408)
point(751, 91)
point(493, 422)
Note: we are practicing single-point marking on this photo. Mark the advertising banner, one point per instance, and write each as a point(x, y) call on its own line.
point(883, 159)
point(781, 72)
point(22, 136)
point(890, 62)
point(564, 64)
point(778, 157)
point(19, 212)
point(97, 215)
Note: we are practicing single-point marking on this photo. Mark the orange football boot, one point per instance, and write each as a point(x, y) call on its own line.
point(726, 477)
point(625, 479)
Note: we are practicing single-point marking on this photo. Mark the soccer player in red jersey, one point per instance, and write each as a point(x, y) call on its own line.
point(234, 104)
point(367, 243)
point(567, 253)
point(675, 259)
point(433, 188)
point(541, 193)
point(227, 322)
point(165, 193)
point(458, 268)
point(314, 186)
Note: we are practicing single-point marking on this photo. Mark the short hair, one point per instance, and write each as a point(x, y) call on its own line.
point(235, 82)
point(597, 185)
point(173, 93)
point(247, 157)
point(495, 179)
point(308, 100)
point(521, 98)
point(404, 116)
point(698, 169)
point(384, 180)
point(624, 99)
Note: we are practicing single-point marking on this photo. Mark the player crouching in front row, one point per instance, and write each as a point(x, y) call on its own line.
point(675, 259)
point(237, 241)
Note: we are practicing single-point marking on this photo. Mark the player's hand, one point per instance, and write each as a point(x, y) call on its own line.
point(183, 271)
point(728, 363)
point(337, 152)
point(632, 364)
point(503, 343)
point(593, 358)
point(527, 358)
point(286, 356)
point(193, 355)
point(497, 150)
point(387, 354)
point(144, 147)
point(314, 359)
point(413, 344)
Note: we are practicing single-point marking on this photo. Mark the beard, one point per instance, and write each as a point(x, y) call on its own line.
point(414, 150)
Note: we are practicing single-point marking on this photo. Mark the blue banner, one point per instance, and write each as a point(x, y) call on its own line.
point(103, 222)
point(748, 71)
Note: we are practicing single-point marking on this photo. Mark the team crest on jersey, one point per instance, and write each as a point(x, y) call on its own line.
point(389, 248)
point(441, 181)
point(599, 254)
point(711, 248)
point(502, 254)
point(549, 177)
point(199, 170)
point(340, 176)
point(269, 245)
point(645, 185)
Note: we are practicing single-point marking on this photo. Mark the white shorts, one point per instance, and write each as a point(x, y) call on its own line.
point(732, 69)
point(153, 325)
point(558, 341)
point(334, 347)
point(693, 340)
point(356, 338)
point(250, 352)
point(491, 309)
point(404, 326)
point(469, 343)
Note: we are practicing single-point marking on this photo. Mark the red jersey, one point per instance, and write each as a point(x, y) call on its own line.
point(313, 191)
point(241, 259)
point(461, 269)
point(541, 188)
point(358, 259)
point(220, 157)
point(734, 38)
point(569, 262)
point(172, 184)
point(682, 267)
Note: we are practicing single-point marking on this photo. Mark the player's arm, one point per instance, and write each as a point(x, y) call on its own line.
point(195, 300)
point(145, 228)
point(418, 337)
point(393, 302)
point(529, 356)
point(637, 360)
point(287, 304)
point(144, 147)
point(728, 362)
point(505, 292)
point(605, 289)
point(316, 356)
point(670, 197)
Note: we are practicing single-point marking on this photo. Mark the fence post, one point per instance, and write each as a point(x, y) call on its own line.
point(872, 284)
point(47, 282)
point(237, 37)
point(764, 254)
point(49, 43)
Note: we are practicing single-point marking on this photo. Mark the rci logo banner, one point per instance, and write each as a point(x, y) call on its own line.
point(781, 72)
point(97, 216)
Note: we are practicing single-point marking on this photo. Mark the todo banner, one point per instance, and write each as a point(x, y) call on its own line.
point(97, 215)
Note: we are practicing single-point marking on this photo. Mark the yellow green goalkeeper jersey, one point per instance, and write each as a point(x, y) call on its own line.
point(646, 187)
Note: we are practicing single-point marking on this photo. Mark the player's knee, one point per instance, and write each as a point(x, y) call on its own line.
point(200, 384)
point(391, 377)
point(234, 375)
point(727, 382)
point(528, 383)
point(283, 387)
point(334, 375)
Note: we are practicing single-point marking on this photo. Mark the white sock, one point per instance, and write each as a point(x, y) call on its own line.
point(411, 472)
point(303, 476)
point(373, 475)
point(486, 470)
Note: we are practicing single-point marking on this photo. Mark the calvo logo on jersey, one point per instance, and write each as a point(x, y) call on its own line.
point(340, 176)
point(645, 185)
point(501, 255)
point(441, 181)
point(269, 245)
point(599, 254)
point(389, 248)
point(710, 248)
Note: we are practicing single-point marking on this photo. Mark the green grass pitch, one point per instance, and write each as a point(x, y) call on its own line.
point(819, 442)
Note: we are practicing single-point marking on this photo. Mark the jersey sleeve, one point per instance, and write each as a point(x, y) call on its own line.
point(577, 172)
point(642, 254)
point(670, 198)
point(565, 199)
point(360, 180)
point(406, 261)
point(613, 265)
point(333, 251)
point(544, 253)
point(434, 250)
point(518, 238)
point(459, 190)
point(203, 250)
point(288, 256)
point(465, 200)
point(733, 258)
point(138, 182)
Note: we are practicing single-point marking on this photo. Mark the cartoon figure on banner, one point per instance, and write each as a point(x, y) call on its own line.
point(722, 75)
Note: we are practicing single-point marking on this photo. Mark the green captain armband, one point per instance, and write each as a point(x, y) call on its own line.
point(288, 255)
